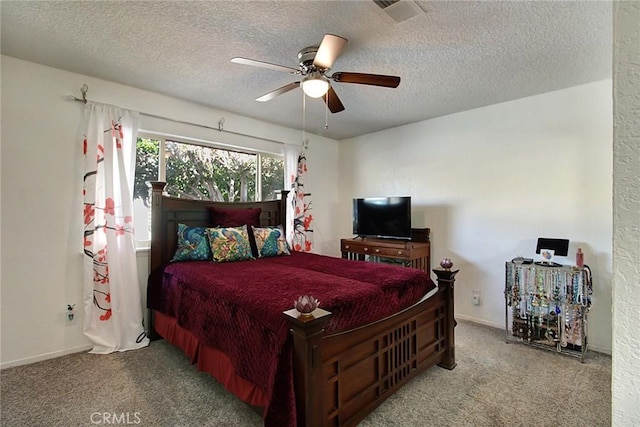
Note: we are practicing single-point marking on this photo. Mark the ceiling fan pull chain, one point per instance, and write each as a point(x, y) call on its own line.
point(305, 141)
point(326, 113)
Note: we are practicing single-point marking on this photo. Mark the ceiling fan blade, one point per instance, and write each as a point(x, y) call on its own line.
point(284, 89)
point(332, 101)
point(367, 79)
point(262, 64)
point(329, 50)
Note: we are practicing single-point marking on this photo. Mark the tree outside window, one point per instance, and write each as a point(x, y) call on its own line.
point(204, 173)
point(147, 164)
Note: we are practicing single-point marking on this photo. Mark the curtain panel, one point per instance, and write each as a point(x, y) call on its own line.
point(302, 238)
point(112, 300)
point(291, 153)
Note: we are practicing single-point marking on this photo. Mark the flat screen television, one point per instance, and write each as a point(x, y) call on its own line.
point(382, 217)
point(559, 246)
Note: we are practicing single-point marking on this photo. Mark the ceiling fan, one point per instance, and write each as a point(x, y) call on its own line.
point(314, 64)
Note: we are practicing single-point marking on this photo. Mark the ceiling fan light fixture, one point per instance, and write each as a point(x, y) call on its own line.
point(314, 64)
point(315, 86)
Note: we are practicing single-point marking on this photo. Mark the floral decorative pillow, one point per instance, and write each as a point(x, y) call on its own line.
point(193, 244)
point(235, 217)
point(270, 241)
point(229, 243)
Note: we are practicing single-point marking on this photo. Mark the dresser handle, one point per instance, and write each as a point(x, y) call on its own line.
point(346, 246)
point(377, 250)
point(399, 252)
point(366, 249)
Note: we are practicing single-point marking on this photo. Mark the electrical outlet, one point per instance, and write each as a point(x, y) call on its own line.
point(476, 296)
point(70, 315)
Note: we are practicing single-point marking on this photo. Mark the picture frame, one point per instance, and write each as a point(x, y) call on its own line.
point(546, 255)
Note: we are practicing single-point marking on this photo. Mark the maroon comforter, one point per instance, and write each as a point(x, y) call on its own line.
point(237, 308)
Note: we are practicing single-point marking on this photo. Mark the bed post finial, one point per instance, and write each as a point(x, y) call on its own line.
point(446, 279)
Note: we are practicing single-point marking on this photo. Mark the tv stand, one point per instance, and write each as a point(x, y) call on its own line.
point(414, 253)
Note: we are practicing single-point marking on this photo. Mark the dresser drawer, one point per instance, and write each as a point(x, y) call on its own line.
point(364, 248)
point(417, 253)
point(391, 252)
point(356, 247)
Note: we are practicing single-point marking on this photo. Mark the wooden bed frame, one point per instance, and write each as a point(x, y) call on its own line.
point(339, 378)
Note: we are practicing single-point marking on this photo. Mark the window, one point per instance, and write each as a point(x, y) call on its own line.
point(202, 172)
point(271, 177)
point(206, 173)
point(147, 167)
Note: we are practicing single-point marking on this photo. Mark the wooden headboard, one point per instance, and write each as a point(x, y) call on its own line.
point(167, 212)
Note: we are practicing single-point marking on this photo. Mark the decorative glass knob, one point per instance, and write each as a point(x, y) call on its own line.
point(305, 305)
point(446, 264)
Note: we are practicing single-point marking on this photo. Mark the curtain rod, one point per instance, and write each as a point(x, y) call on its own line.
point(84, 89)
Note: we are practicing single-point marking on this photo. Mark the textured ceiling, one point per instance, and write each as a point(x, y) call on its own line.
point(454, 57)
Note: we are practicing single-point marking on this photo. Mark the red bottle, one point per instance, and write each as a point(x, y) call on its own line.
point(580, 258)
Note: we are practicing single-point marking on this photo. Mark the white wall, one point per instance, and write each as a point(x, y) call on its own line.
point(490, 181)
point(41, 180)
point(625, 370)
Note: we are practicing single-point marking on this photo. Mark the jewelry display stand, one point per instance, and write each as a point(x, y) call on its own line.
point(547, 307)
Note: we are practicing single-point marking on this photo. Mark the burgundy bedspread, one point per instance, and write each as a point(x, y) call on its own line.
point(237, 308)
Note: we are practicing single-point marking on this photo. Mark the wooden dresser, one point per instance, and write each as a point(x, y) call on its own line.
point(415, 253)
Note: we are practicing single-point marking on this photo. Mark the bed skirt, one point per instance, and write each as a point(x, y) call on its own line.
point(208, 359)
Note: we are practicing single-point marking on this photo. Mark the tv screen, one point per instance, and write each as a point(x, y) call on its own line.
point(382, 217)
point(559, 246)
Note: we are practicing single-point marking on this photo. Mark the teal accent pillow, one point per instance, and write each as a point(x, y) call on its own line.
point(270, 241)
point(193, 244)
point(229, 244)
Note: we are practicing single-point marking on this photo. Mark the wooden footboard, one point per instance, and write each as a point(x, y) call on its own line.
point(341, 378)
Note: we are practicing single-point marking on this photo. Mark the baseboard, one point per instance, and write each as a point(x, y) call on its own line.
point(599, 349)
point(479, 321)
point(46, 356)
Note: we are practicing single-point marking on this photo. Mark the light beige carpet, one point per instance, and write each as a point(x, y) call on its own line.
point(494, 384)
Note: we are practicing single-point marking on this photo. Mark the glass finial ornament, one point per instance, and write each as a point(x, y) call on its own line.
point(446, 263)
point(305, 305)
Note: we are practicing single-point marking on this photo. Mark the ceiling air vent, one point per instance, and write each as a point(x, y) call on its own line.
point(385, 3)
point(399, 10)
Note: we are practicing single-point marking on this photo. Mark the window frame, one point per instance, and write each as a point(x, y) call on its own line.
point(162, 161)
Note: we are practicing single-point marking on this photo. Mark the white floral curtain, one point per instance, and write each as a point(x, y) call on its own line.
point(112, 300)
point(291, 153)
point(302, 239)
